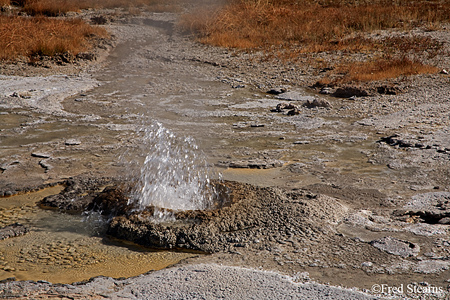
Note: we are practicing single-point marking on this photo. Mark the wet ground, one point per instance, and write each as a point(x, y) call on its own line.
point(59, 126)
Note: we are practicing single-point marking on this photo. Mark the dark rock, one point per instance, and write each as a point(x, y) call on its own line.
point(388, 90)
point(317, 103)
point(350, 91)
point(111, 201)
point(281, 106)
point(13, 231)
point(277, 91)
point(396, 140)
point(77, 196)
point(99, 20)
point(301, 142)
point(293, 112)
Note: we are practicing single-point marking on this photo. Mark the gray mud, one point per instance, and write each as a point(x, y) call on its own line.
point(351, 189)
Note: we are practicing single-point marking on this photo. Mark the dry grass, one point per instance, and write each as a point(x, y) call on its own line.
point(308, 24)
point(383, 68)
point(53, 8)
point(289, 28)
point(43, 36)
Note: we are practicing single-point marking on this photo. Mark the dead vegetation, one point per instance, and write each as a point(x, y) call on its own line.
point(31, 37)
point(382, 68)
point(290, 29)
point(53, 8)
point(28, 28)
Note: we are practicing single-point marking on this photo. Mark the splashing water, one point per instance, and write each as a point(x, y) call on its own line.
point(174, 174)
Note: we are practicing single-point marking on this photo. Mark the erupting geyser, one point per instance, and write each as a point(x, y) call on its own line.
point(174, 174)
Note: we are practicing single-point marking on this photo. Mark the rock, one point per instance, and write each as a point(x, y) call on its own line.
point(251, 213)
point(281, 106)
point(44, 164)
point(367, 264)
point(301, 142)
point(72, 142)
point(41, 155)
point(326, 91)
point(99, 20)
point(112, 201)
point(396, 247)
point(77, 196)
point(277, 90)
point(256, 164)
point(388, 90)
point(13, 231)
point(86, 56)
point(293, 112)
point(317, 103)
point(350, 91)
point(433, 207)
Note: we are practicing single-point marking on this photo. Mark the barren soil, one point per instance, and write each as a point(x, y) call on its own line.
point(353, 189)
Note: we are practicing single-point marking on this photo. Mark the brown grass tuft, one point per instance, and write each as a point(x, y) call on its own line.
point(4, 3)
point(383, 68)
point(43, 36)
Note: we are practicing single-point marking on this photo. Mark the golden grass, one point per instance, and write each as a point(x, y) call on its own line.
point(308, 24)
point(383, 68)
point(60, 7)
point(287, 29)
point(40, 35)
point(43, 36)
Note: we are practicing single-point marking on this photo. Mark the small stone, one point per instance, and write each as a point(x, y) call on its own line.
point(41, 155)
point(72, 142)
point(367, 264)
point(9, 269)
point(293, 112)
point(317, 103)
point(277, 91)
point(301, 142)
point(326, 91)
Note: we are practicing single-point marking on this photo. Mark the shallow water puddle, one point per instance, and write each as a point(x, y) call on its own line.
point(63, 248)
